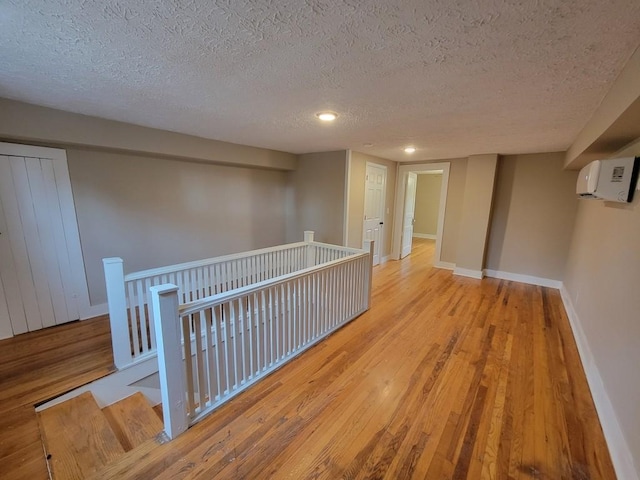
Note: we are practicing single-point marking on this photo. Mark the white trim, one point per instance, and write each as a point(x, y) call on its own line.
point(93, 311)
point(19, 150)
point(621, 455)
point(399, 205)
point(467, 272)
point(384, 259)
point(445, 265)
point(428, 236)
point(347, 184)
point(517, 277)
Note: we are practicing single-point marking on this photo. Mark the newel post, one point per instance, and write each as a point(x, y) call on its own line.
point(117, 304)
point(311, 250)
point(170, 367)
point(369, 283)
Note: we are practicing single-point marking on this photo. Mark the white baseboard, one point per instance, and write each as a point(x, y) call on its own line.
point(517, 277)
point(428, 236)
point(94, 311)
point(385, 259)
point(445, 265)
point(467, 272)
point(621, 455)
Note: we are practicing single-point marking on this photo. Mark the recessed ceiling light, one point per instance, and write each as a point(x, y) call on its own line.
point(409, 149)
point(327, 116)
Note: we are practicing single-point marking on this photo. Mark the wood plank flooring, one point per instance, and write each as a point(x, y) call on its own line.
point(133, 420)
point(445, 377)
point(35, 367)
point(78, 437)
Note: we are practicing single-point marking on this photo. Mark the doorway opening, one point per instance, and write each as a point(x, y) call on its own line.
point(405, 234)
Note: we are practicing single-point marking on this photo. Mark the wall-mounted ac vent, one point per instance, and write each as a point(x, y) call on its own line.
point(613, 180)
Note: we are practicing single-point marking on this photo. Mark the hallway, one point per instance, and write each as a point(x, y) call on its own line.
point(445, 377)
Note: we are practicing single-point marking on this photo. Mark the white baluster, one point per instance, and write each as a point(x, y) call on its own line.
point(226, 340)
point(142, 317)
point(199, 357)
point(210, 354)
point(233, 325)
point(216, 313)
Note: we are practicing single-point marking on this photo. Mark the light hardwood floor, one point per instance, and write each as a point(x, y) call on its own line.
point(35, 367)
point(445, 377)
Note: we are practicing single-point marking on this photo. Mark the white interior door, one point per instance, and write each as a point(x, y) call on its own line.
point(37, 279)
point(409, 214)
point(374, 193)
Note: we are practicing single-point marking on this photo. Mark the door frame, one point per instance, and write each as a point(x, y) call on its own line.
point(401, 177)
point(70, 219)
point(384, 204)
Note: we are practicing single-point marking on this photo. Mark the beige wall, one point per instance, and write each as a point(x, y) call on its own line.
point(40, 125)
point(603, 274)
point(153, 211)
point(317, 196)
point(357, 174)
point(427, 204)
point(476, 212)
point(602, 279)
point(453, 211)
point(533, 215)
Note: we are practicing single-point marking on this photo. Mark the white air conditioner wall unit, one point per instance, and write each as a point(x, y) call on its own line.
point(612, 180)
point(588, 180)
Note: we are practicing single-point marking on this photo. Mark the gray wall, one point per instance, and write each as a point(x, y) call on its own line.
point(155, 211)
point(40, 125)
point(476, 212)
point(453, 210)
point(533, 215)
point(317, 197)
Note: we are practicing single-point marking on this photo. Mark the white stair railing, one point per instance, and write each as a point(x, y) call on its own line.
point(240, 336)
point(132, 330)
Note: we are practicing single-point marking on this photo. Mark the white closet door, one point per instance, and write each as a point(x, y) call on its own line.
point(35, 269)
point(5, 321)
point(16, 275)
point(374, 193)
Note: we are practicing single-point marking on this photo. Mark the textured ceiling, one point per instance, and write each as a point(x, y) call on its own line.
point(452, 77)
